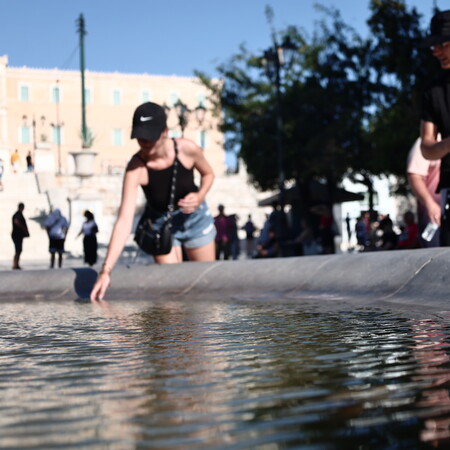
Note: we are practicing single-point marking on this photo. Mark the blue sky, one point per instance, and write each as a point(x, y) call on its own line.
point(161, 37)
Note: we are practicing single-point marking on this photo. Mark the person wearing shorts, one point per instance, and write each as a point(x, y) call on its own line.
point(151, 169)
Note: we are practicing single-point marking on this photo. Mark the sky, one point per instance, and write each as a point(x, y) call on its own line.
point(158, 37)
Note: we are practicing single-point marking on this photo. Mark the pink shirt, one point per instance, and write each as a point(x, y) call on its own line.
point(429, 169)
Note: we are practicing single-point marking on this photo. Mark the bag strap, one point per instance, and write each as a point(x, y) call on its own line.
point(174, 178)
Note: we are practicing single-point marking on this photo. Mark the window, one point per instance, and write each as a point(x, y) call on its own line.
point(174, 133)
point(56, 94)
point(87, 96)
point(173, 99)
point(117, 137)
point(145, 96)
point(201, 139)
point(25, 134)
point(56, 135)
point(201, 99)
point(116, 97)
point(24, 93)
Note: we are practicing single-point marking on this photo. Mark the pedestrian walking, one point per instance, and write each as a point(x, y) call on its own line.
point(89, 230)
point(19, 233)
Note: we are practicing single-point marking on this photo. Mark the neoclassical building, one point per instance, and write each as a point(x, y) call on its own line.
point(41, 112)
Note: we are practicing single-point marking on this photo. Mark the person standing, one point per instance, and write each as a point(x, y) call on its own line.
point(19, 232)
point(15, 160)
point(326, 228)
point(235, 243)
point(223, 236)
point(435, 116)
point(57, 226)
point(250, 230)
point(151, 168)
point(409, 238)
point(423, 177)
point(349, 228)
point(30, 166)
point(89, 229)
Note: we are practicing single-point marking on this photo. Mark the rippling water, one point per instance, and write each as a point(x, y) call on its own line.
point(223, 375)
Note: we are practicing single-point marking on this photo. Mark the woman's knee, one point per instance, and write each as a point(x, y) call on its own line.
point(204, 253)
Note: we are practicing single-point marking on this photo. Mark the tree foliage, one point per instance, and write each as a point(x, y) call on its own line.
point(349, 105)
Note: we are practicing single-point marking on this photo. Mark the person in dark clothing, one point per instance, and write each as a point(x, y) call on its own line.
point(389, 238)
point(250, 230)
point(89, 230)
point(270, 247)
point(223, 225)
point(30, 166)
point(151, 169)
point(435, 116)
point(19, 232)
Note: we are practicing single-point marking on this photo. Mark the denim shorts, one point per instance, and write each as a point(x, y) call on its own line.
point(190, 230)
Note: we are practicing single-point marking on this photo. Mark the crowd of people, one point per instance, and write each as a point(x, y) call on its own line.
point(278, 237)
point(383, 234)
point(56, 226)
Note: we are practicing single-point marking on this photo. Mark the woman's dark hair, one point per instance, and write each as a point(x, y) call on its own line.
point(89, 215)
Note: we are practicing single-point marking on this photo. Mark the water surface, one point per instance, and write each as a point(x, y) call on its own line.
point(222, 375)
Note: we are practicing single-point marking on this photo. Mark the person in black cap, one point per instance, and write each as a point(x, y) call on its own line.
point(152, 168)
point(435, 116)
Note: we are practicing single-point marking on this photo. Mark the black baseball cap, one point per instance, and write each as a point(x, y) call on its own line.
point(439, 29)
point(149, 121)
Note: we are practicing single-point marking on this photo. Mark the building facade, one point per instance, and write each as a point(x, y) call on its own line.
point(41, 112)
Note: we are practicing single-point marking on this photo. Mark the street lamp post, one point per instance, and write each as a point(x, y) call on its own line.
point(57, 126)
point(200, 114)
point(84, 130)
point(274, 59)
point(34, 127)
point(183, 115)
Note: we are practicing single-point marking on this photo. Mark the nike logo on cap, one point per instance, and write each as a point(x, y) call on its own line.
point(146, 119)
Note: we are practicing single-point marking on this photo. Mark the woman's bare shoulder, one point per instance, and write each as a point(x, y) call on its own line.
point(188, 147)
point(135, 162)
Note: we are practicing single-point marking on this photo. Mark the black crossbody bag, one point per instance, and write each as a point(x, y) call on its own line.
point(149, 239)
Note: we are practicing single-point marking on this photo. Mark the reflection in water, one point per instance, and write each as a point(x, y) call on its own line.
point(221, 375)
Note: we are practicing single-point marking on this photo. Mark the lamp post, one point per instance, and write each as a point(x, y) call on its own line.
point(200, 114)
point(274, 59)
point(57, 126)
point(33, 126)
point(183, 115)
point(82, 33)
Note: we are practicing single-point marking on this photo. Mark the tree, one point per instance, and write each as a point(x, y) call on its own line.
point(401, 67)
point(349, 105)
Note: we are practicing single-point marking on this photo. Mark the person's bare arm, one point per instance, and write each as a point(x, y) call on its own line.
point(419, 188)
point(431, 147)
point(193, 200)
point(120, 233)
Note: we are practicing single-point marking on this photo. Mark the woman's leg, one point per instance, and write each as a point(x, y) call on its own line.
point(204, 253)
point(174, 257)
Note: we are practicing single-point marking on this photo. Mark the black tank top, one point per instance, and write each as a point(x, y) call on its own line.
point(157, 191)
